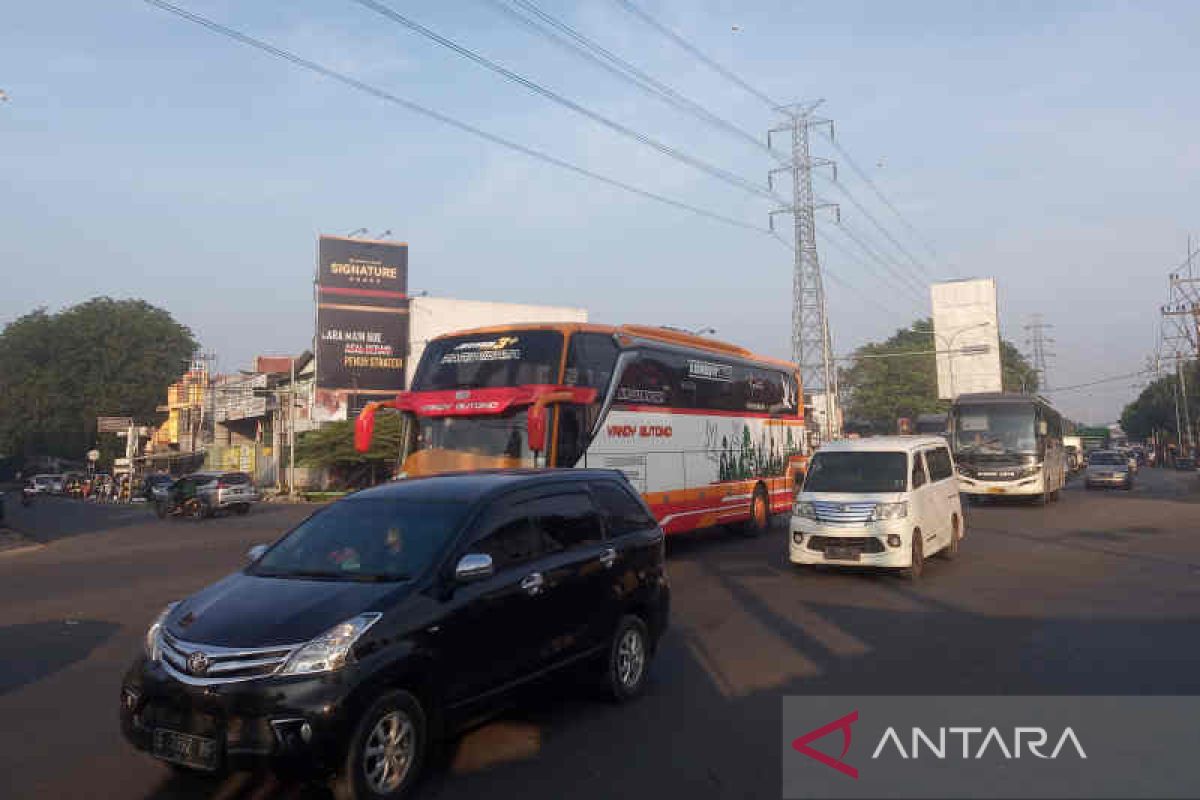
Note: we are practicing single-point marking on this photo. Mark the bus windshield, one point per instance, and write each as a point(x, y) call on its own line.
point(456, 444)
point(995, 429)
point(490, 361)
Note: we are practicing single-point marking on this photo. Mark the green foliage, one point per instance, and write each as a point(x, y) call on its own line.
point(103, 357)
point(881, 390)
point(332, 445)
point(1154, 409)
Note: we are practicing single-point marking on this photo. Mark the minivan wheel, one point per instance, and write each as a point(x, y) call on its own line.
point(242, 508)
point(386, 752)
point(950, 551)
point(628, 659)
point(914, 571)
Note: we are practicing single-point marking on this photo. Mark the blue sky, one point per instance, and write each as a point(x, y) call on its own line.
point(1054, 146)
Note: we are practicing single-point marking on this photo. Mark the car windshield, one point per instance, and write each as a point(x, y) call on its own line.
point(858, 473)
point(1107, 459)
point(364, 539)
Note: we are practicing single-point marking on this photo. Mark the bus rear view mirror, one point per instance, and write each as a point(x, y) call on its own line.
point(364, 428)
point(536, 423)
point(1043, 428)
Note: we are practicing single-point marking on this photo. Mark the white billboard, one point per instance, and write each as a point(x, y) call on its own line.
point(967, 335)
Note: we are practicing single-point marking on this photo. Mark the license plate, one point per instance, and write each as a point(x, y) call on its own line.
point(843, 553)
point(186, 749)
point(995, 490)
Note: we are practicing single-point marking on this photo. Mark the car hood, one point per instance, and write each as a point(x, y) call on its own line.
point(1108, 468)
point(249, 611)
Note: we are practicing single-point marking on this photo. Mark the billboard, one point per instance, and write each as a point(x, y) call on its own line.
point(362, 321)
point(967, 335)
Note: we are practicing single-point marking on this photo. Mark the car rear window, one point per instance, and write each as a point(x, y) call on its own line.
point(622, 513)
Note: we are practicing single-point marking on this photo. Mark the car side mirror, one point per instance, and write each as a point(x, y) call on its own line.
point(256, 552)
point(474, 567)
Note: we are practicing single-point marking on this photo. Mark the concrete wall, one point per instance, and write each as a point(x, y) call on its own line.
point(430, 317)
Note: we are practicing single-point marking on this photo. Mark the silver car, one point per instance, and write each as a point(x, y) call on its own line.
point(1108, 468)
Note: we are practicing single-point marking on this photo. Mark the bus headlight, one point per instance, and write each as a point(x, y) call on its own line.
point(886, 511)
point(1029, 472)
point(805, 509)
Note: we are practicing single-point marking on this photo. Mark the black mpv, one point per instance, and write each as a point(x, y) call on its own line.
point(398, 615)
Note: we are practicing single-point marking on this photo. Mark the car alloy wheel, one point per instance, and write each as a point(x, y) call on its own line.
point(388, 753)
point(628, 658)
point(918, 557)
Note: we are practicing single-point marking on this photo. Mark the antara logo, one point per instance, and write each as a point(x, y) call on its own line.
point(938, 743)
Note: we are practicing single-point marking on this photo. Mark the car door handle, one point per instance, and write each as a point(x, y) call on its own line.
point(533, 583)
point(608, 558)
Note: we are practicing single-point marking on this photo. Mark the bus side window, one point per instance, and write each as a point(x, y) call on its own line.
point(591, 359)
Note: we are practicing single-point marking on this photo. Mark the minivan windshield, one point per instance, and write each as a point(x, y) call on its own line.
point(858, 473)
point(1107, 458)
point(368, 539)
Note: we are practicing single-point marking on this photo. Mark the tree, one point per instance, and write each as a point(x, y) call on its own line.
point(332, 447)
point(103, 357)
point(881, 390)
point(1154, 409)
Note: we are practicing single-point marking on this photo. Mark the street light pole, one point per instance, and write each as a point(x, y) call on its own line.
point(949, 348)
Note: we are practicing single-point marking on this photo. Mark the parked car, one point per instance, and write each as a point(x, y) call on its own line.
point(398, 614)
point(155, 487)
point(879, 502)
point(204, 494)
point(1108, 468)
point(1185, 462)
point(49, 484)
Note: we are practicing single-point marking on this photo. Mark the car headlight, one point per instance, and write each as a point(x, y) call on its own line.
point(805, 509)
point(886, 511)
point(1029, 472)
point(152, 646)
point(330, 650)
point(965, 471)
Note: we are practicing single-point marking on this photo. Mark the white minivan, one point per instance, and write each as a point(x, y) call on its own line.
point(889, 501)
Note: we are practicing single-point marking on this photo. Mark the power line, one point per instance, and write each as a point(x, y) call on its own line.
point(701, 56)
point(381, 94)
point(1112, 379)
point(672, 152)
point(586, 48)
point(686, 45)
point(901, 279)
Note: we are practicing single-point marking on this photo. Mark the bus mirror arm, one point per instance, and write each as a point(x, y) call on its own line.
point(364, 426)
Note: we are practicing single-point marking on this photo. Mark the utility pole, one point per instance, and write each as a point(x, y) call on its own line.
point(812, 344)
point(1036, 340)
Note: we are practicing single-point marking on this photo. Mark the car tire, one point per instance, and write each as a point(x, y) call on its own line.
point(760, 513)
point(628, 659)
point(1128, 485)
point(917, 568)
point(392, 735)
point(950, 551)
point(161, 509)
point(242, 508)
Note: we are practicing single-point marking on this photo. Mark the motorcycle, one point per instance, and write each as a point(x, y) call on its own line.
point(191, 508)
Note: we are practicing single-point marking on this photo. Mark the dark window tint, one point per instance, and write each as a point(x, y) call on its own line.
point(864, 472)
point(566, 520)
point(918, 471)
point(573, 433)
point(940, 466)
point(490, 360)
point(512, 543)
point(591, 359)
point(235, 478)
point(705, 380)
point(621, 511)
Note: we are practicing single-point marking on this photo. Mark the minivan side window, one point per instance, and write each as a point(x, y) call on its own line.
point(918, 471)
point(511, 543)
point(622, 513)
point(940, 466)
point(566, 520)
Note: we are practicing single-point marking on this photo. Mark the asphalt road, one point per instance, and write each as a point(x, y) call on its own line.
point(1097, 594)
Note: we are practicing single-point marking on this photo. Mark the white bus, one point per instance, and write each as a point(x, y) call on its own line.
point(708, 432)
point(1008, 444)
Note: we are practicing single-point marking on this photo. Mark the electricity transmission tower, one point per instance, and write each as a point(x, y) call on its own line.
point(812, 345)
point(1036, 340)
point(1181, 341)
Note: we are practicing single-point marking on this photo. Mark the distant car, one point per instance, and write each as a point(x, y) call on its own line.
point(155, 487)
point(204, 494)
point(49, 484)
point(1130, 458)
point(879, 502)
point(1108, 468)
point(397, 616)
point(1185, 463)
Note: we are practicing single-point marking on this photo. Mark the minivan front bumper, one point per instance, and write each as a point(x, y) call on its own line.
point(865, 545)
point(300, 722)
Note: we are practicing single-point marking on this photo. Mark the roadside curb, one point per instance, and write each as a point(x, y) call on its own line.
point(24, 548)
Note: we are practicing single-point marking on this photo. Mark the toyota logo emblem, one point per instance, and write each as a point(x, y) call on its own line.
point(197, 663)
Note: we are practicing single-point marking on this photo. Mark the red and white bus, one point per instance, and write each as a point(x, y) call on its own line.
point(708, 432)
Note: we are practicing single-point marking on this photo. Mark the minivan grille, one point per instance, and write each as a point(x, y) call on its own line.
point(833, 511)
point(221, 664)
